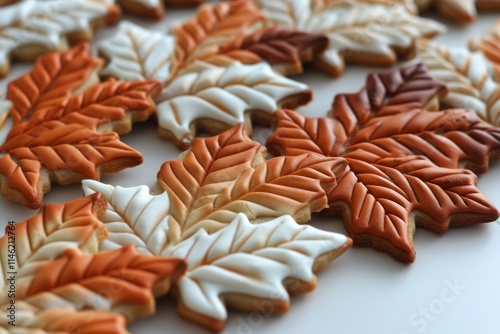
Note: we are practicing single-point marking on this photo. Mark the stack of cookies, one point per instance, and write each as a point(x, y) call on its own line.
point(225, 225)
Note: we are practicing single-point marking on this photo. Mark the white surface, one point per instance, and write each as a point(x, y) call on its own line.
point(364, 291)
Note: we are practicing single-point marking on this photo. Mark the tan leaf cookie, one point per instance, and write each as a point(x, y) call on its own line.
point(31, 28)
point(463, 11)
point(244, 266)
point(63, 133)
point(58, 285)
point(467, 75)
point(489, 45)
point(374, 32)
point(404, 160)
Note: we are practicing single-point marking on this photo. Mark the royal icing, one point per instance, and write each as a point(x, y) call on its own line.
point(370, 27)
point(33, 27)
point(221, 94)
point(135, 53)
point(240, 258)
point(468, 76)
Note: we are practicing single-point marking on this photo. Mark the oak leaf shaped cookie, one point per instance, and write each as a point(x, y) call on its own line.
point(242, 265)
point(30, 28)
point(467, 75)
point(404, 161)
point(463, 11)
point(360, 31)
point(61, 137)
point(50, 268)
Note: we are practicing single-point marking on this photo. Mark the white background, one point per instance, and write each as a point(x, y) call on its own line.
point(363, 291)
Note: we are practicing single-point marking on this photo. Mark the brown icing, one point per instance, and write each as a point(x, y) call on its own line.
point(277, 46)
point(213, 25)
point(404, 161)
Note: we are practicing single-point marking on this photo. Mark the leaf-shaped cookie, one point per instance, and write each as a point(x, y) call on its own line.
point(467, 75)
point(153, 8)
point(371, 32)
point(489, 45)
point(215, 98)
point(226, 174)
point(202, 95)
point(30, 28)
point(63, 320)
point(242, 265)
point(61, 138)
point(282, 48)
point(135, 53)
point(212, 27)
point(404, 161)
point(46, 268)
point(463, 11)
point(5, 107)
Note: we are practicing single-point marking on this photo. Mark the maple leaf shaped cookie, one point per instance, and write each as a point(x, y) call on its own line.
point(404, 161)
point(59, 285)
point(30, 28)
point(463, 11)
point(62, 133)
point(242, 265)
point(200, 95)
point(467, 75)
point(371, 32)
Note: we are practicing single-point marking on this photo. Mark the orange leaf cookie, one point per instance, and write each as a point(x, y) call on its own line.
point(404, 161)
point(49, 267)
point(463, 11)
point(63, 132)
point(30, 28)
point(373, 32)
point(226, 174)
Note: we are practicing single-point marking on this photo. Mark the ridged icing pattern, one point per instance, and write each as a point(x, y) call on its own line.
point(135, 53)
point(41, 26)
point(59, 271)
point(224, 95)
point(277, 46)
point(404, 161)
point(241, 258)
point(468, 77)
point(213, 26)
point(360, 31)
point(62, 320)
point(65, 138)
point(463, 11)
point(489, 45)
point(226, 174)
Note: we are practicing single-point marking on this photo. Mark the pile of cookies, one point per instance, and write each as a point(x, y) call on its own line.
point(225, 225)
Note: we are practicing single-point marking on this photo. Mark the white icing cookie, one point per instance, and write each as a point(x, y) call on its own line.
point(222, 95)
point(135, 53)
point(360, 31)
point(468, 76)
point(242, 261)
point(30, 28)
